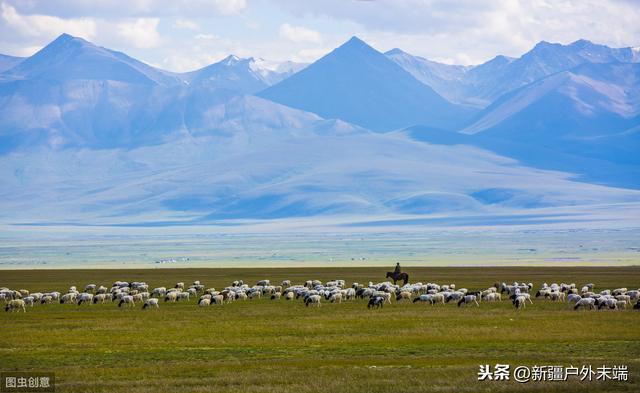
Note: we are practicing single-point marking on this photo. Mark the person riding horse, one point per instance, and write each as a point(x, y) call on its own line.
point(398, 275)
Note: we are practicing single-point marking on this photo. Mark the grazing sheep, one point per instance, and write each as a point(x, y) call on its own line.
point(150, 302)
point(289, 296)
point(90, 288)
point(376, 302)
point(29, 300)
point(634, 294)
point(171, 297)
point(572, 297)
point(85, 298)
point(312, 299)
point(619, 291)
point(429, 298)
point(285, 283)
point(526, 296)
point(158, 292)
point(519, 301)
point(254, 294)
point(276, 296)
point(263, 283)
point(336, 297)
point(621, 305)
point(625, 298)
point(585, 302)
point(47, 299)
point(493, 297)
point(468, 299)
point(128, 300)
point(217, 299)
point(204, 302)
point(558, 296)
point(404, 295)
point(68, 298)
point(101, 297)
point(15, 305)
point(611, 304)
point(182, 296)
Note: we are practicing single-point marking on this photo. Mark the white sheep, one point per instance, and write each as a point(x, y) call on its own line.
point(171, 296)
point(158, 292)
point(217, 299)
point(468, 299)
point(336, 297)
point(404, 295)
point(557, 296)
point(101, 297)
point(127, 300)
point(312, 299)
point(493, 297)
point(520, 302)
point(15, 305)
point(585, 302)
point(150, 302)
point(85, 298)
point(68, 298)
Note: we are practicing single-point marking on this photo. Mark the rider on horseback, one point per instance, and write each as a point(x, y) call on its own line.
point(397, 270)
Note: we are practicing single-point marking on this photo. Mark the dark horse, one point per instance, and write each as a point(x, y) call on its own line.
point(400, 276)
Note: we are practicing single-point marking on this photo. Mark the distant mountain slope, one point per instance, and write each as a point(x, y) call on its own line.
point(588, 101)
point(245, 76)
point(481, 85)
point(585, 121)
point(445, 79)
point(71, 58)
point(358, 84)
point(280, 173)
point(7, 62)
point(73, 93)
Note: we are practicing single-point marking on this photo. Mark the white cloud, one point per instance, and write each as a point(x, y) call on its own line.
point(478, 29)
point(106, 9)
point(45, 25)
point(299, 34)
point(310, 55)
point(141, 32)
point(229, 7)
point(206, 37)
point(186, 24)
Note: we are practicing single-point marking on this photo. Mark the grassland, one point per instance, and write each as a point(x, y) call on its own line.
point(279, 346)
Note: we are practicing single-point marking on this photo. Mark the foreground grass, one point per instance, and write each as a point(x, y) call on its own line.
point(279, 346)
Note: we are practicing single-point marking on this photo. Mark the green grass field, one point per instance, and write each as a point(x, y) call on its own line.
point(280, 346)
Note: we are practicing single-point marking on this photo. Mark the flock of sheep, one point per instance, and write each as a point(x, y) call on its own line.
point(314, 292)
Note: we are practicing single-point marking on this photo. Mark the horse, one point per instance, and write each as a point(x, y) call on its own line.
point(400, 276)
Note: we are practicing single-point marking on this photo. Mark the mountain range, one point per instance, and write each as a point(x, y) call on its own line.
point(88, 134)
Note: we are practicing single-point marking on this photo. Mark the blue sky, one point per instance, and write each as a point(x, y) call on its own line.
point(182, 35)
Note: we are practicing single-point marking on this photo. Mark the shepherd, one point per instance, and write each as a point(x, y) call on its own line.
point(398, 275)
